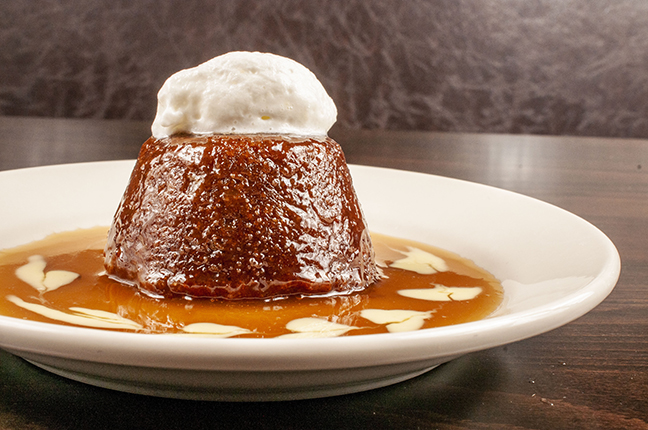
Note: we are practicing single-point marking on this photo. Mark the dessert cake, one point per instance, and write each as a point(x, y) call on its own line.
point(240, 193)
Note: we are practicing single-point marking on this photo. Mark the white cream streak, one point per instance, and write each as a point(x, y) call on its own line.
point(33, 273)
point(79, 316)
point(314, 328)
point(441, 293)
point(419, 261)
point(397, 320)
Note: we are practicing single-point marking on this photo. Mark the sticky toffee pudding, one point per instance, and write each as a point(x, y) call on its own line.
point(240, 217)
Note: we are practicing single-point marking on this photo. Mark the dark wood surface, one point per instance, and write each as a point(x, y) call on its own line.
point(589, 374)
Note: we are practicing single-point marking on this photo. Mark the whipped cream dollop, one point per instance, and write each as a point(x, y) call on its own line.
point(244, 93)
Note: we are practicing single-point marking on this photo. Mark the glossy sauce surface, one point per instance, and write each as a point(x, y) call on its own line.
point(94, 296)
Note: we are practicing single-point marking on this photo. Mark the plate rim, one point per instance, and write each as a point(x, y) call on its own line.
point(239, 350)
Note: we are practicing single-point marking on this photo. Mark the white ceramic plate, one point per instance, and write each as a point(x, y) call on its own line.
point(554, 266)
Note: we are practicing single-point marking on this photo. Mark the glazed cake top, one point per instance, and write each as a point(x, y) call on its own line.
point(244, 93)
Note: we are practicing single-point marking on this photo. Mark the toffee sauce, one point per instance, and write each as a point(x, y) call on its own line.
point(81, 251)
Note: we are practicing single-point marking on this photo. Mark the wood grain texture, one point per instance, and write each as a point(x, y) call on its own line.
point(589, 374)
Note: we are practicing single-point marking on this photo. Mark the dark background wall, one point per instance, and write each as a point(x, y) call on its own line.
point(576, 67)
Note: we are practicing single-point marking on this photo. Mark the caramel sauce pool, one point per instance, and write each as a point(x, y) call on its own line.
point(81, 252)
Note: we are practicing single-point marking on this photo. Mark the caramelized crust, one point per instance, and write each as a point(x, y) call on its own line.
point(238, 217)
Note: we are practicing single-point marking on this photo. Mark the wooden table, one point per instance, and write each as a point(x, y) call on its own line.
point(590, 374)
